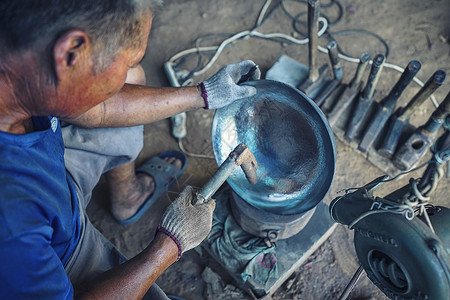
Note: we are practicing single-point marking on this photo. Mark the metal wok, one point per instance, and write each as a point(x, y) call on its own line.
point(292, 143)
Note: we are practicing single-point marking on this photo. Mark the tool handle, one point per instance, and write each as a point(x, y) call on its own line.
point(443, 110)
point(313, 30)
point(363, 61)
point(407, 76)
point(240, 156)
point(432, 84)
point(334, 59)
point(249, 75)
point(438, 117)
point(375, 71)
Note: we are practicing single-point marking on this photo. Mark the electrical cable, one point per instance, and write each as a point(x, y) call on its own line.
point(263, 16)
point(180, 144)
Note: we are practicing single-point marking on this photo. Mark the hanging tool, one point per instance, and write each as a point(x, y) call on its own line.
point(401, 117)
point(351, 91)
point(315, 76)
point(240, 156)
point(387, 105)
point(365, 100)
point(418, 143)
point(337, 74)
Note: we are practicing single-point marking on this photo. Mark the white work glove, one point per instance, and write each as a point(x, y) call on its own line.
point(223, 88)
point(187, 224)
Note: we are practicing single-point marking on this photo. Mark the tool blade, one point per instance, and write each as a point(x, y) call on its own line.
point(374, 129)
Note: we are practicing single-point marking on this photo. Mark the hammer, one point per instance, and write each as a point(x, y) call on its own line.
point(401, 117)
point(365, 99)
point(315, 76)
point(350, 92)
point(240, 156)
point(337, 74)
point(422, 138)
point(387, 106)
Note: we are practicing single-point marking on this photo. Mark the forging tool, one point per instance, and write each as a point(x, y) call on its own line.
point(351, 91)
point(315, 76)
point(337, 74)
point(365, 100)
point(240, 156)
point(422, 138)
point(387, 105)
point(401, 117)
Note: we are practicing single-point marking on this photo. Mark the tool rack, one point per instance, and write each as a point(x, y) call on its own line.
point(384, 164)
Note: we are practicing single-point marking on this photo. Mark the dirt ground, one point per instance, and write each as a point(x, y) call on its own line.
point(413, 29)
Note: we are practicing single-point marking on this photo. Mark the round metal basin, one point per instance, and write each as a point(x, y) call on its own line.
point(292, 143)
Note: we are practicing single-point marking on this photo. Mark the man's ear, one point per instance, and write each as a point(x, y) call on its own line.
point(69, 51)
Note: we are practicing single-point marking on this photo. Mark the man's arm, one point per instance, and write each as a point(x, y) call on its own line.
point(183, 227)
point(138, 104)
point(132, 279)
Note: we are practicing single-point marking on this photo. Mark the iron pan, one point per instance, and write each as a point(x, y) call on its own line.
point(292, 143)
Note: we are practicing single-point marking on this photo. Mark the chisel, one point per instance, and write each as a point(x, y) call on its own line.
point(365, 99)
point(387, 105)
point(350, 92)
point(401, 117)
point(337, 74)
point(422, 138)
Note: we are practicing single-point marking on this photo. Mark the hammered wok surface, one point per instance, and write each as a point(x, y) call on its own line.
point(292, 143)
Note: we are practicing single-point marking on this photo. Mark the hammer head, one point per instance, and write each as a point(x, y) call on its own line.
point(244, 157)
point(392, 136)
point(413, 150)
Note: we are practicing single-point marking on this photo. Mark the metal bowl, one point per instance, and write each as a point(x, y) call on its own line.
point(292, 143)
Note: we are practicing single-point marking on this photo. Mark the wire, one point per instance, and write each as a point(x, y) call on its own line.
point(253, 33)
point(180, 144)
point(263, 16)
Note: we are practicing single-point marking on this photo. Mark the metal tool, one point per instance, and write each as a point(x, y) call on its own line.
point(337, 74)
point(240, 156)
point(313, 29)
point(418, 143)
point(401, 117)
point(365, 100)
point(249, 75)
point(315, 76)
point(387, 105)
point(348, 95)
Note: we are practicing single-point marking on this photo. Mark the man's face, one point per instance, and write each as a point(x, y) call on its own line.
point(89, 88)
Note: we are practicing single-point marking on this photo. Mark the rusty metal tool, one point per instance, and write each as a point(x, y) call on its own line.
point(422, 138)
point(337, 74)
point(315, 76)
point(365, 100)
point(240, 156)
point(387, 105)
point(350, 92)
point(401, 117)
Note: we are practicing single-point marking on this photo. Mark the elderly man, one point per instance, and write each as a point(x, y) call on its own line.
point(71, 100)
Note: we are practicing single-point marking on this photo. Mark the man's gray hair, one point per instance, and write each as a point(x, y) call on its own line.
point(112, 25)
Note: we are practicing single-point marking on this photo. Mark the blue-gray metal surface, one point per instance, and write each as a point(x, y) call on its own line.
point(292, 143)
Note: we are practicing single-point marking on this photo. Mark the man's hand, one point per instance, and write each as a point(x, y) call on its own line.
point(223, 88)
point(187, 224)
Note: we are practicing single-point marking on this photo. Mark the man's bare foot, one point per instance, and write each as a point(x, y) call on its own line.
point(129, 190)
